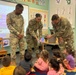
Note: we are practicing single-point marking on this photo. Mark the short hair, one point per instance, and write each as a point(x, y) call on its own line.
point(54, 17)
point(27, 56)
point(19, 6)
point(38, 15)
point(6, 61)
point(19, 71)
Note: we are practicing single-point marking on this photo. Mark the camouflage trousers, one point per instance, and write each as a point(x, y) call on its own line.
point(32, 43)
point(67, 42)
point(15, 43)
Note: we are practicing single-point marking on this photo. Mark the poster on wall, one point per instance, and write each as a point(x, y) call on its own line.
point(64, 8)
point(41, 2)
point(44, 14)
point(6, 42)
point(37, 2)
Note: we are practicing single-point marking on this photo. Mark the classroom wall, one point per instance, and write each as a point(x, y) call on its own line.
point(34, 5)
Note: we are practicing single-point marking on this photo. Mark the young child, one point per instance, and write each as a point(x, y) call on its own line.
point(53, 67)
point(66, 64)
point(19, 71)
point(7, 69)
point(26, 63)
point(58, 55)
point(42, 64)
point(69, 57)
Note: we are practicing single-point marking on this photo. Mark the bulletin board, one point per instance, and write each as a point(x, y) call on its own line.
point(64, 8)
point(44, 13)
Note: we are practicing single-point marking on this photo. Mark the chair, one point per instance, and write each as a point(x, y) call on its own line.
point(2, 50)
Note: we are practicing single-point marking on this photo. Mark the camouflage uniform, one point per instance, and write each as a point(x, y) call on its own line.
point(63, 29)
point(15, 24)
point(31, 32)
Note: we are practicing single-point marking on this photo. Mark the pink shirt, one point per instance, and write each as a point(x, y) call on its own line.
point(41, 65)
point(61, 71)
point(52, 72)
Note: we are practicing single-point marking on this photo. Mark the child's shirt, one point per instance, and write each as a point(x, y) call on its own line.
point(71, 61)
point(68, 67)
point(52, 72)
point(42, 65)
point(7, 70)
point(61, 71)
point(26, 65)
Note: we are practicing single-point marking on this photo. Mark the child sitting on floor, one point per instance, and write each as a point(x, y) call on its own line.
point(7, 69)
point(58, 55)
point(69, 57)
point(66, 64)
point(19, 71)
point(53, 67)
point(26, 63)
point(42, 64)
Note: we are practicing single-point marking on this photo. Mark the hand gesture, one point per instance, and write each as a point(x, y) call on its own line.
point(20, 36)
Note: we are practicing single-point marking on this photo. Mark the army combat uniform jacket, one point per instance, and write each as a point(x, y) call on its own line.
point(63, 29)
point(34, 29)
point(15, 24)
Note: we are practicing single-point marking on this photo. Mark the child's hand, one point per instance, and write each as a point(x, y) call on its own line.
point(32, 70)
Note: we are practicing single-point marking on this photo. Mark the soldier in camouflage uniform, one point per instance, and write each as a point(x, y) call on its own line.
point(63, 31)
point(34, 33)
point(15, 24)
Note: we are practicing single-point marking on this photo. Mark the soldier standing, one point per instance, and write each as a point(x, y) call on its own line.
point(15, 24)
point(63, 31)
point(34, 33)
